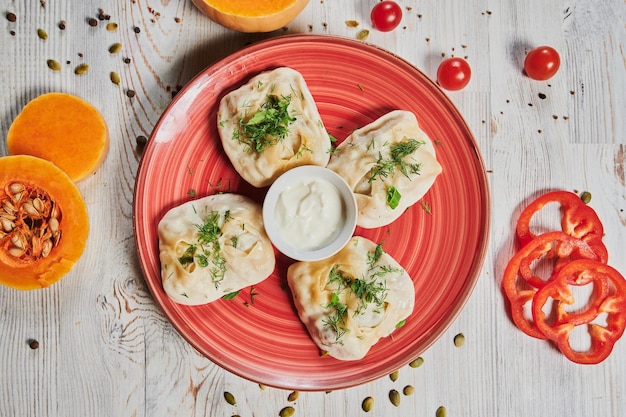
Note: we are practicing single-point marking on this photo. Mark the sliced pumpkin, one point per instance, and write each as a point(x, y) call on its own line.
point(43, 222)
point(251, 15)
point(63, 129)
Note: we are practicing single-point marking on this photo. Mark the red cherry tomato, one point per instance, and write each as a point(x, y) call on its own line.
point(386, 16)
point(542, 63)
point(454, 74)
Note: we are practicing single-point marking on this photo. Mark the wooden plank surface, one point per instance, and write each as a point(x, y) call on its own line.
point(106, 349)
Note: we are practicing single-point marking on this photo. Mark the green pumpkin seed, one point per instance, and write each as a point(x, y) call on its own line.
point(42, 34)
point(81, 69)
point(417, 362)
point(441, 412)
point(111, 26)
point(53, 65)
point(287, 412)
point(362, 35)
point(230, 398)
point(408, 390)
point(115, 48)
point(459, 340)
point(368, 404)
point(115, 78)
point(352, 23)
point(262, 387)
point(394, 376)
point(394, 397)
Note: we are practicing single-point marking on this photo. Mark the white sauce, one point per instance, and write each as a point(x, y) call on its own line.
point(310, 213)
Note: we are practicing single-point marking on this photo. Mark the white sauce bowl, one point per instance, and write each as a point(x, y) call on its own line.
point(309, 213)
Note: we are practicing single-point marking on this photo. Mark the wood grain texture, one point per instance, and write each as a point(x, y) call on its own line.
point(105, 348)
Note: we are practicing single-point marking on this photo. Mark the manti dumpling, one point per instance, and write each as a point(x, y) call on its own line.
point(270, 125)
point(390, 164)
point(213, 246)
point(352, 299)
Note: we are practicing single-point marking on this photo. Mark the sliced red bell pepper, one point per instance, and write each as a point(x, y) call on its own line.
point(609, 297)
point(578, 220)
point(519, 281)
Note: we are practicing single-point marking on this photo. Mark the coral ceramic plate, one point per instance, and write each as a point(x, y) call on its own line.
point(257, 335)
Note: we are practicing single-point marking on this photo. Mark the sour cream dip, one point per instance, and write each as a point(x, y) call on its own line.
point(310, 213)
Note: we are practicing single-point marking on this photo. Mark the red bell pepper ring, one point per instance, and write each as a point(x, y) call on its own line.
point(578, 220)
point(609, 297)
point(519, 282)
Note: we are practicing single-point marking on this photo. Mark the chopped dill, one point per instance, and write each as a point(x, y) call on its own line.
point(385, 167)
point(267, 126)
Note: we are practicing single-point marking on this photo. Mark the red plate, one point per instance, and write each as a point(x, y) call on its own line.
point(261, 338)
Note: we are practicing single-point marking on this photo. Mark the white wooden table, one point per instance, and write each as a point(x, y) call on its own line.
point(106, 349)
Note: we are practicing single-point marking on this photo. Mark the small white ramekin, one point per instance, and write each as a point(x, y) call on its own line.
point(332, 246)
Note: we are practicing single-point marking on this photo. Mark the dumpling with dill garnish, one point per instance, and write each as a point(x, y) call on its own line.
point(212, 247)
point(270, 125)
point(351, 300)
point(390, 164)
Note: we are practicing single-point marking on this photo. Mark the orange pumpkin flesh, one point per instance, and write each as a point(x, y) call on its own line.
point(43, 222)
point(251, 15)
point(63, 129)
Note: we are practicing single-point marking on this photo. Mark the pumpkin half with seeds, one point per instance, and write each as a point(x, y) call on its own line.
point(43, 222)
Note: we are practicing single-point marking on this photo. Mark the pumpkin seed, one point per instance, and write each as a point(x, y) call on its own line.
point(441, 412)
point(115, 48)
point(293, 396)
point(53, 65)
point(81, 69)
point(111, 26)
point(230, 398)
point(7, 224)
point(417, 362)
point(586, 197)
point(408, 390)
point(459, 340)
point(352, 23)
point(287, 412)
point(42, 34)
point(115, 78)
point(394, 397)
point(362, 35)
point(368, 404)
point(394, 376)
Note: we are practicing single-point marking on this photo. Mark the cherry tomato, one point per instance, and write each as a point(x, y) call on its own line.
point(454, 74)
point(386, 16)
point(542, 63)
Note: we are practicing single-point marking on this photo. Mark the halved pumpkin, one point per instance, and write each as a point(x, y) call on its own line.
point(63, 129)
point(251, 15)
point(43, 222)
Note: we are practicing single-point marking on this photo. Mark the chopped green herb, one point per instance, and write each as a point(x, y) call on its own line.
point(206, 251)
point(398, 151)
point(230, 295)
point(426, 207)
point(401, 324)
point(191, 193)
point(393, 197)
point(369, 290)
point(267, 126)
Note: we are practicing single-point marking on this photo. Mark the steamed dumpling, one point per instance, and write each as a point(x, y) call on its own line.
point(270, 125)
point(392, 151)
point(213, 246)
point(352, 299)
